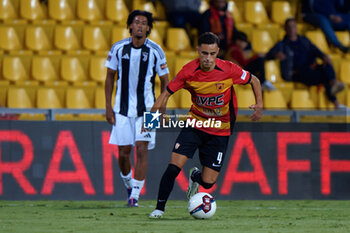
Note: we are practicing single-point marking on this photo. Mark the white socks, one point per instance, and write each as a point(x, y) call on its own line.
point(136, 188)
point(127, 180)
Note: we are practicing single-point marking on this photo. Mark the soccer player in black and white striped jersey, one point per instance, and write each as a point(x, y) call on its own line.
point(136, 60)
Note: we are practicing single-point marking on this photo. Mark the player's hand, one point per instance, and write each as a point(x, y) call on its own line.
point(110, 116)
point(280, 56)
point(335, 18)
point(257, 112)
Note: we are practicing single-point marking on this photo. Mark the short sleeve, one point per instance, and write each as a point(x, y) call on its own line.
point(239, 75)
point(177, 83)
point(161, 65)
point(112, 61)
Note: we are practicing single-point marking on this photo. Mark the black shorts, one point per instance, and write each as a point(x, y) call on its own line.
point(212, 148)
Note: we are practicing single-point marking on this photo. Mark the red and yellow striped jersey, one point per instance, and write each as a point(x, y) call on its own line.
point(212, 93)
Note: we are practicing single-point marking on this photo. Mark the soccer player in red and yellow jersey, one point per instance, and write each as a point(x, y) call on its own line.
point(210, 81)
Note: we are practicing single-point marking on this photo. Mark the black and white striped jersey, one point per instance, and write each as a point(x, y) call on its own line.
point(137, 68)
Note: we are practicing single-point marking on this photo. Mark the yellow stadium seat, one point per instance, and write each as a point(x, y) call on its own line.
point(45, 69)
point(344, 38)
point(116, 10)
point(160, 9)
point(73, 69)
point(170, 58)
point(89, 10)
point(177, 39)
point(245, 98)
point(119, 33)
point(32, 10)
point(281, 10)
point(318, 39)
point(204, 6)
point(236, 13)
point(95, 38)
point(155, 36)
point(272, 71)
point(345, 71)
point(10, 38)
point(255, 12)
point(66, 38)
point(38, 38)
point(16, 68)
point(274, 100)
point(174, 101)
point(76, 98)
point(8, 10)
point(97, 69)
point(180, 62)
point(61, 10)
point(100, 99)
point(261, 41)
point(48, 98)
point(301, 99)
point(4, 86)
point(19, 98)
point(162, 27)
point(273, 29)
point(247, 28)
point(145, 6)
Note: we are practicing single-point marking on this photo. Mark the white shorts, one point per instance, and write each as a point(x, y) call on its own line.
point(127, 130)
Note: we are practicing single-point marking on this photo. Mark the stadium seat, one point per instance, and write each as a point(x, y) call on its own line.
point(281, 10)
point(345, 71)
point(318, 39)
point(185, 99)
point(8, 10)
point(177, 39)
point(274, 100)
point(235, 11)
point(204, 6)
point(170, 58)
point(61, 10)
point(145, 6)
point(272, 71)
point(95, 38)
point(247, 28)
point(174, 101)
point(77, 99)
point(116, 11)
point(74, 69)
point(89, 10)
point(160, 9)
point(48, 98)
point(245, 98)
point(97, 69)
point(100, 99)
point(255, 13)
point(45, 69)
point(155, 36)
point(16, 68)
point(301, 99)
point(19, 98)
point(66, 38)
point(180, 62)
point(119, 33)
point(4, 86)
point(32, 10)
point(38, 38)
point(11, 38)
point(162, 27)
point(261, 41)
point(344, 38)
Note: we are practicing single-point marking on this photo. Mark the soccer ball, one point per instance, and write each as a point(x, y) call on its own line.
point(202, 206)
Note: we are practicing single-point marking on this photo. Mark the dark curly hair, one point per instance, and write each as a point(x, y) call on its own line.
point(135, 13)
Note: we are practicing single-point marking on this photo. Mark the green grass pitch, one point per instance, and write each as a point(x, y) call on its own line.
point(230, 216)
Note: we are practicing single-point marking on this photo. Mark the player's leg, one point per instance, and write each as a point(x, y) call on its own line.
point(125, 167)
point(167, 181)
point(144, 142)
point(123, 135)
point(140, 172)
point(211, 155)
point(185, 146)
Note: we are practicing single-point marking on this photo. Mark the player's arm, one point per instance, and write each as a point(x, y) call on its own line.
point(164, 81)
point(109, 85)
point(161, 102)
point(257, 107)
